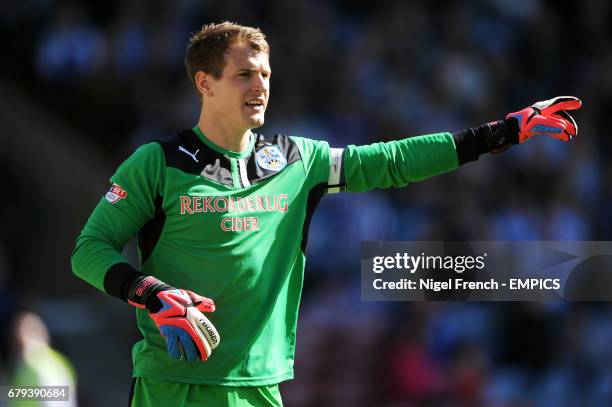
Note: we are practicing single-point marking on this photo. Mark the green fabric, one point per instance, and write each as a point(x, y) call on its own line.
point(107, 231)
point(397, 163)
point(157, 393)
point(255, 277)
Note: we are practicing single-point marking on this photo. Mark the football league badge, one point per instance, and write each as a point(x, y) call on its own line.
point(271, 158)
point(115, 194)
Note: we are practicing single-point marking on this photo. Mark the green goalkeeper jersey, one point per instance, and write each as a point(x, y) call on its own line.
point(233, 227)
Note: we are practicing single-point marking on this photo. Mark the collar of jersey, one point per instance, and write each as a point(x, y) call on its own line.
point(221, 150)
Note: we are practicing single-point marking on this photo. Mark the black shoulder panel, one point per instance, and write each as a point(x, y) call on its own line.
point(186, 152)
point(279, 143)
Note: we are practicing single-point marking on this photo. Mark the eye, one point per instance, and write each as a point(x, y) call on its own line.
point(244, 74)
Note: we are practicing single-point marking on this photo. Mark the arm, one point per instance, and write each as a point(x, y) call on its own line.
point(119, 215)
point(134, 198)
point(397, 163)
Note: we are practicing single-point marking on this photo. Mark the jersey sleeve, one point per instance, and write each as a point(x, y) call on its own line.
point(397, 163)
point(317, 157)
point(120, 214)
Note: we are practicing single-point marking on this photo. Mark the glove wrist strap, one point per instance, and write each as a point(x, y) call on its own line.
point(500, 135)
point(492, 137)
point(143, 293)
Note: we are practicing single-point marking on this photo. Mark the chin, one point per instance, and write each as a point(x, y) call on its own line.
point(256, 121)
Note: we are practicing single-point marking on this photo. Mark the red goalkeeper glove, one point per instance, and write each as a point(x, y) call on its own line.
point(178, 314)
point(548, 117)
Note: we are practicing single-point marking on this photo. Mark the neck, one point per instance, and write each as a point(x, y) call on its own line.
point(223, 135)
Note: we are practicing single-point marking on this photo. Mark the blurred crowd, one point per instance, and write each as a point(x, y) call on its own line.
point(357, 72)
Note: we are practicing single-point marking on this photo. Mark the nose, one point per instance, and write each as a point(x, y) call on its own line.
point(260, 82)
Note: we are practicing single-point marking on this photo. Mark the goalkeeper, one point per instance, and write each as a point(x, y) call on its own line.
point(222, 215)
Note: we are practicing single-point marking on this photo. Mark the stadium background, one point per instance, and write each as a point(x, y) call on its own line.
point(83, 83)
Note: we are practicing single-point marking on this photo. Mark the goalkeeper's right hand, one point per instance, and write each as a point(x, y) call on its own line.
point(178, 314)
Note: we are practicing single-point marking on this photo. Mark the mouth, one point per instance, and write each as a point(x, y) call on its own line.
point(257, 105)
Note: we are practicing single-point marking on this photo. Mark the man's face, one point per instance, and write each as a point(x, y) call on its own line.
point(240, 96)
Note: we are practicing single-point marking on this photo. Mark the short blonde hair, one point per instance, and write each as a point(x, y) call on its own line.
point(207, 47)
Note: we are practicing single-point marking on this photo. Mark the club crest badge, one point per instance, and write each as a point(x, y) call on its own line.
point(271, 158)
point(115, 194)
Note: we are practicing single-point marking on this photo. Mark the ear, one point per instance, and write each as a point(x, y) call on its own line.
point(204, 81)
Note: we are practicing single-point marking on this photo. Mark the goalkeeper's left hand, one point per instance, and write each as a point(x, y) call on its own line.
point(548, 117)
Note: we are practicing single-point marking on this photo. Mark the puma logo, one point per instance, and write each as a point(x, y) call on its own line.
point(184, 150)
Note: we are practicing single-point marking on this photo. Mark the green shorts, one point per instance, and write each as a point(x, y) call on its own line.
point(158, 393)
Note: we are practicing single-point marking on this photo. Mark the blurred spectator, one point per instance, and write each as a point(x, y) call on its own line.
point(71, 48)
point(38, 364)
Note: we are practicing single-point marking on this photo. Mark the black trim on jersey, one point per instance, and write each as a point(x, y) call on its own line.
point(131, 397)
point(118, 279)
point(210, 164)
point(216, 166)
point(314, 198)
point(149, 234)
point(287, 147)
